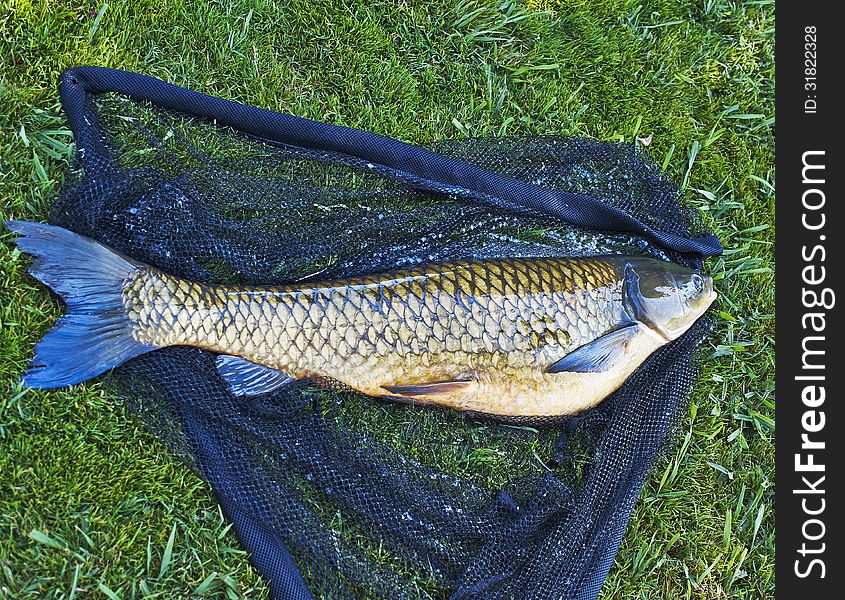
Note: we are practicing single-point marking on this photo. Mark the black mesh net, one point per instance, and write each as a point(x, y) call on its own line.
point(372, 498)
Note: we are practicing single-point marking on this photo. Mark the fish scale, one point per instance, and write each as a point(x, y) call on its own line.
point(429, 323)
point(510, 337)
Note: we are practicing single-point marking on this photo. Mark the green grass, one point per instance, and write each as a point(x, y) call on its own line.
point(92, 506)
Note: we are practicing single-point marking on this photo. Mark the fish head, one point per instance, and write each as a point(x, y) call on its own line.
point(665, 296)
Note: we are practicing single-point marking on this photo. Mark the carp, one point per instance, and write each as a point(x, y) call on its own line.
point(505, 337)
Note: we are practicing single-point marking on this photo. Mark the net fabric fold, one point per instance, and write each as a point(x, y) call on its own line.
point(370, 498)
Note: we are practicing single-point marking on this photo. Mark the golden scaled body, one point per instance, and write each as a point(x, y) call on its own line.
point(509, 337)
point(491, 328)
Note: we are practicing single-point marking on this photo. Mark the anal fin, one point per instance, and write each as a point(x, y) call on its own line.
point(246, 378)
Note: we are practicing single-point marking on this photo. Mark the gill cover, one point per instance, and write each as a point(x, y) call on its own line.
point(666, 297)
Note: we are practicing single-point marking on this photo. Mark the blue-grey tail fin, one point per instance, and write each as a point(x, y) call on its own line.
point(94, 334)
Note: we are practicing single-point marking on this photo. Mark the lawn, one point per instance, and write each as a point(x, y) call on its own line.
point(91, 505)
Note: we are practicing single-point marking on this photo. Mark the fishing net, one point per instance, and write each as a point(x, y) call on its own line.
point(352, 496)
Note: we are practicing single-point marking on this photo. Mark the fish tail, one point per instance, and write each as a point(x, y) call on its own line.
point(95, 334)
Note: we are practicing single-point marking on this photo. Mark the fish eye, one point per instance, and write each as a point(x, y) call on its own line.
point(697, 282)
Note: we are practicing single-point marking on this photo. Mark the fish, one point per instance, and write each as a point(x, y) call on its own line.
point(506, 337)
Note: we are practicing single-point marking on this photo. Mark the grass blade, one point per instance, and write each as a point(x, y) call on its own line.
point(168, 553)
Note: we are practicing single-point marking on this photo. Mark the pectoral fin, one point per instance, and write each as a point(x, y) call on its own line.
point(599, 355)
point(429, 389)
point(246, 378)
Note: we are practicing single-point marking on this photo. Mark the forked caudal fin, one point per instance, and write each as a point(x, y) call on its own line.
point(94, 335)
